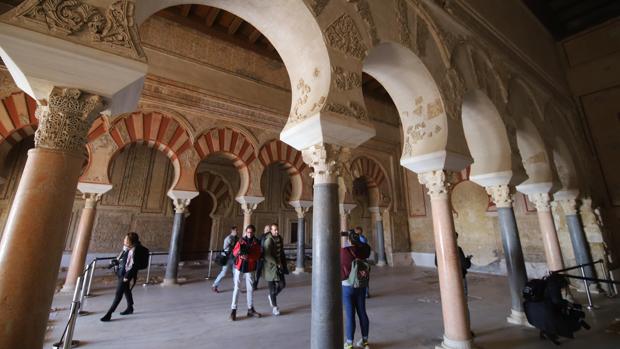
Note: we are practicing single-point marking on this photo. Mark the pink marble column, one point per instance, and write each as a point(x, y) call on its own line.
point(553, 253)
point(457, 334)
point(84, 233)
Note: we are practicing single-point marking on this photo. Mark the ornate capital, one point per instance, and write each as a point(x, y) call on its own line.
point(301, 211)
point(436, 184)
point(180, 205)
point(327, 161)
point(569, 206)
point(541, 200)
point(65, 120)
point(248, 208)
point(501, 195)
point(91, 199)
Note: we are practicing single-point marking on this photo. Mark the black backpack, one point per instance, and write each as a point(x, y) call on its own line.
point(534, 290)
point(141, 257)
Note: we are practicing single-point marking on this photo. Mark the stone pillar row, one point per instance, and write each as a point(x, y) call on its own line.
point(36, 227)
point(577, 235)
point(377, 213)
point(457, 333)
point(515, 263)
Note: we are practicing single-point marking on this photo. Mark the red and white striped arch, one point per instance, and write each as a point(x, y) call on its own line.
point(17, 118)
point(155, 129)
point(276, 151)
point(219, 188)
point(369, 169)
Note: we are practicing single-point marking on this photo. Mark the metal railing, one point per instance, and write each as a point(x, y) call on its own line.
point(586, 280)
point(148, 268)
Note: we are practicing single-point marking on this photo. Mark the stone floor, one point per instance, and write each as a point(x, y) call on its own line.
point(404, 311)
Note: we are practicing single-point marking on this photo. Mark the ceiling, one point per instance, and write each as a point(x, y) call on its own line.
point(564, 18)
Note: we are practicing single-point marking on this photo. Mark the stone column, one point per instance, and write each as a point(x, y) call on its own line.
point(301, 238)
point(553, 253)
point(36, 228)
point(345, 216)
point(513, 252)
point(172, 268)
point(248, 206)
point(577, 235)
point(326, 320)
point(91, 194)
point(457, 334)
point(379, 238)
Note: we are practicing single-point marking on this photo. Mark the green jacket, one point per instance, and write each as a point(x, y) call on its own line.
point(271, 259)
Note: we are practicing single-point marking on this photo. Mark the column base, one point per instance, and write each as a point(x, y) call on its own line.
point(299, 271)
point(456, 344)
point(170, 282)
point(518, 318)
point(67, 288)
point(381, 264)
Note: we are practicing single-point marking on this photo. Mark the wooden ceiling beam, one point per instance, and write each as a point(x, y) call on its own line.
point(212, 16)
point(254, 36)
point(234, 25)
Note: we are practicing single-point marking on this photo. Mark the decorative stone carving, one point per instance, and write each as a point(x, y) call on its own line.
point(91, 199)
point(362, 7)
point(302, 210)
point(500, 194)
point(189, 159)
point(353, 110)
point(181, 205)
point(403, 24)
point(65, 121)
point(344, 36)
point(452, 87)
point(346, 80)
point(248, 208)
point(436, 184)
point(317, 6)
point(115, 29)
point(327, 160)
point(569, 206)
point(421, 36)
point(541, 200)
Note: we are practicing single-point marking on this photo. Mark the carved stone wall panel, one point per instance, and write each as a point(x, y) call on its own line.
point(154, 231)
point(135, 176)
point(109, 229)
point(344, 36)
point(161, 174)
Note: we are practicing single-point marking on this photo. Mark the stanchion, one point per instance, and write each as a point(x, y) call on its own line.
point(84, 288)
point(93, 265)
point(585, 284)
point(66, 341)
point(148, 272)
point(210, 261)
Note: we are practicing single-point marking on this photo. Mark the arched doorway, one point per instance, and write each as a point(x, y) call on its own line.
point(197, 231)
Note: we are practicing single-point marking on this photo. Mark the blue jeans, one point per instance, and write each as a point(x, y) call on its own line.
point(220, 276)
point(354, 301)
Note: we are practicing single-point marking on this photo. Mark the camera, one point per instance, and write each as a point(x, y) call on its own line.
point(113, 263)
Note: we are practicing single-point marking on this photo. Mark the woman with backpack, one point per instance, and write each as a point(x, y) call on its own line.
point(127, 264)
point(274, 266)
point(355, 273)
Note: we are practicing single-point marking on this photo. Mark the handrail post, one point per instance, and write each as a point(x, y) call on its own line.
point(148, 271)
point(93, 265)
point(210, 261)
point(585, 283)
point(75, 305)
point(83, 289)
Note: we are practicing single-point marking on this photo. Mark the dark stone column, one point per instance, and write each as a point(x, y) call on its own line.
point(380, 248)
point(577, 236)
point(301, 248)
point(172, 268)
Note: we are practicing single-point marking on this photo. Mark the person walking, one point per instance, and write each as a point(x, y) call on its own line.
point(229, 244)
point(274, 266)
point(261, 260)
point(354, 273)
point(246, 253)
point(126, 271)
point(363, 240)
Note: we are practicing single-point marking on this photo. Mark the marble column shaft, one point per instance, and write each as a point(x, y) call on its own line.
point(176, 238)
point(36, 229)
point(301, 246)
point(553, 253)
point(457, 332)
point(326, 329)
point(577, 236)
point(379, 239)
point(82, 241)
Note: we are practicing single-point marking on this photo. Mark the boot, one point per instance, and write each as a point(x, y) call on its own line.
point(233, 315)
point(127, 311)
point(253, 313)
point(107, 317)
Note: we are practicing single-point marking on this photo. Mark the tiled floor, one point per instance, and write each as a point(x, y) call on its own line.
point(404, 311)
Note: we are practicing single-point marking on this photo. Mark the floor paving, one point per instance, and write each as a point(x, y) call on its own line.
point(404, 311)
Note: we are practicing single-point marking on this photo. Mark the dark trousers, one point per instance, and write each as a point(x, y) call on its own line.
point(275, 287)
point(259, 272)
point(354, 302)
point(122, 288)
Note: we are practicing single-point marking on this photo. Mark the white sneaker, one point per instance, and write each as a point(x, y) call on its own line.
point(276, 311)
point(363, 344)
point(270, 301)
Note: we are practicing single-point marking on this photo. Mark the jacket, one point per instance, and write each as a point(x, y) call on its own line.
point(348, 255)
point(123, 271)
point(273, 260)
point(229, 244)
point(252, 247)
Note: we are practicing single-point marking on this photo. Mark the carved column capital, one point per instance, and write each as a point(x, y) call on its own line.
point(301, 211)
point(569, 206)
point(501, 195)
point(181, 205)
point(436, 184)
point(327, 161)
point(91, 199)
point(541, 200)
point(248, 208)
point(65, 120)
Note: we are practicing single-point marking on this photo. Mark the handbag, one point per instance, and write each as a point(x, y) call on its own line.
point(221, 259)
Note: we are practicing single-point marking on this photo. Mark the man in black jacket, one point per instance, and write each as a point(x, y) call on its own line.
point(126, 272)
